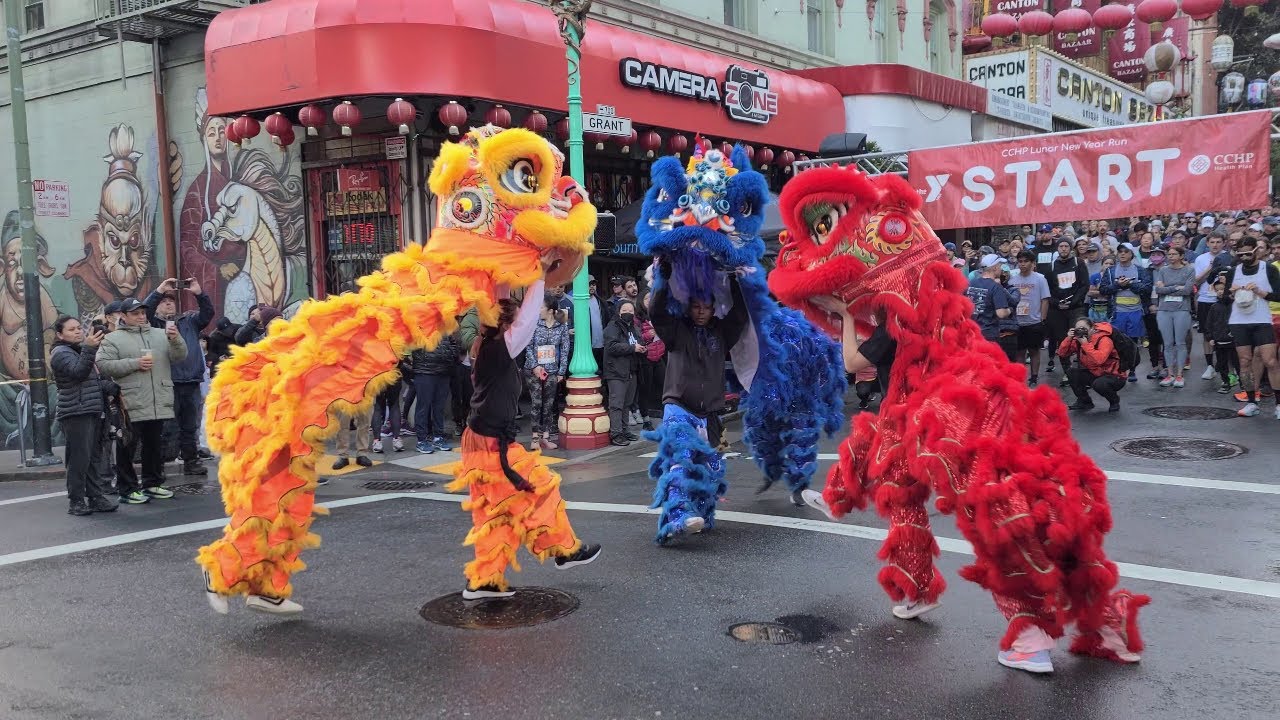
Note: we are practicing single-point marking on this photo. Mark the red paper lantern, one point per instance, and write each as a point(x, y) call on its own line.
point(311, 117)
point(246, 128)
point(650, 140)
point(1036, 23)
point(402, 112)
point(785, 159)
point(286, 139)
point(597, 138)
point(233, 135)
point(764, 157)
point(1072, 21)
point(999, 25)
point(498, 116)
point(975, 43)
point(726, 147)
point(750, 151)
point(1201, 9)
point(1112, 17)
point(346, 116)
point(277, 126)
point(452, 116)
point(1156, 12)
point(536, 122)
point(562, 130)
point(626, 141)
point(678, 144)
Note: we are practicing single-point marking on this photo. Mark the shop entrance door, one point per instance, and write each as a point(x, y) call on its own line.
point(356, 218)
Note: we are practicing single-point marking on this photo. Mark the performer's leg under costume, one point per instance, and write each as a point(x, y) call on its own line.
point(689, 472)
point(504, 518)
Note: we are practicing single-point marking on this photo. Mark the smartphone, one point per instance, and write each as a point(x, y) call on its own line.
point(183, 284)
point(170, 325)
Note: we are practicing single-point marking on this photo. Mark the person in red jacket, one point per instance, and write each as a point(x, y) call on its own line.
point(1098, 364)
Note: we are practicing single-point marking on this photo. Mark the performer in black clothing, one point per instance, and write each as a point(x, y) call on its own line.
point(515, 498)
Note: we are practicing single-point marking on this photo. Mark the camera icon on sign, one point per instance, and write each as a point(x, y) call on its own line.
point(747, 96)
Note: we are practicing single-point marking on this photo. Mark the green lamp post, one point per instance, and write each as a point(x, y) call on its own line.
point(584, 424)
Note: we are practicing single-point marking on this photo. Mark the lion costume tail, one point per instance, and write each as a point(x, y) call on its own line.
point(273, 403)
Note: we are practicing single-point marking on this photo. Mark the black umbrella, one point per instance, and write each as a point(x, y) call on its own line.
point(629, 215)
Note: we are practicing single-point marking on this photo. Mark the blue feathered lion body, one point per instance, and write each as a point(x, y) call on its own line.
point(706, 219)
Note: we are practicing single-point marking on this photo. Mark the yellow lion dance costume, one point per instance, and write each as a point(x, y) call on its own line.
point(507, 219)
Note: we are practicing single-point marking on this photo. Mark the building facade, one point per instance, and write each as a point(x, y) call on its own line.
point(129, 104)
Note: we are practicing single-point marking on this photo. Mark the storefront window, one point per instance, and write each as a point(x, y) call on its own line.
point(34, 19)
point(358, 221)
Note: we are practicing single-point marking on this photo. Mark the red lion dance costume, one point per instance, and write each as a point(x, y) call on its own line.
point(507, 219)
point(957, 419)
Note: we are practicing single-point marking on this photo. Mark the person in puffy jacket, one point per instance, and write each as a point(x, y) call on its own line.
point(622, 350)
point(255, 328)
point(1099, 364)
point(80, 410)
point(547, 362)
point(432, 374)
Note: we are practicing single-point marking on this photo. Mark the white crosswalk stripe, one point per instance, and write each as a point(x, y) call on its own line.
point(1119, 475)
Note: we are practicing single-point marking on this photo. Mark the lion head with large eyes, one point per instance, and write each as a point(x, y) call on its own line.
point(505, 188)
point(851, 237)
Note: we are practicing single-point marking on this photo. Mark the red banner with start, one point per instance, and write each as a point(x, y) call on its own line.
point(1220, 162)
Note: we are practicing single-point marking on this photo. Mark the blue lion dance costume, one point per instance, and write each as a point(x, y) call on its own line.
point(705, 219)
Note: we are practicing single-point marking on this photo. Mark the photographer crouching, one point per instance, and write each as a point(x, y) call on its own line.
point(1098, 364)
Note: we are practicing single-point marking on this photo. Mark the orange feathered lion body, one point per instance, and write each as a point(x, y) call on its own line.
point(957, 421)
point(507, 219)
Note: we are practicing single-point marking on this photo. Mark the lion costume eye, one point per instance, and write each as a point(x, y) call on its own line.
point(747, 210)
point(825, 224)
point(521, 177)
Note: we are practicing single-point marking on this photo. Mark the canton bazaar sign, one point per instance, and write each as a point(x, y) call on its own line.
point(743, 92)
point(1068, 91)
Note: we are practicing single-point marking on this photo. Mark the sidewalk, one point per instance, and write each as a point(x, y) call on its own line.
point(11, 468)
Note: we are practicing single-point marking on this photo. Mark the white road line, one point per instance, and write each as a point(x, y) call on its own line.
point(1263, 488)
point(29, 498)
point(1169, 576)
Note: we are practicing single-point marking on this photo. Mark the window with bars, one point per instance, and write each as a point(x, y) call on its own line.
point(815, 21)
point(735, 14)
point(880, 31)
point(939, 48)
point(33, 17)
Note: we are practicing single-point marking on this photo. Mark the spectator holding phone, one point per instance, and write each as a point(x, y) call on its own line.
point(188, 373)
point(80, 408)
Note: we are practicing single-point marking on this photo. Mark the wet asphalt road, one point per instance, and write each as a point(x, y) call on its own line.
point(110, 631)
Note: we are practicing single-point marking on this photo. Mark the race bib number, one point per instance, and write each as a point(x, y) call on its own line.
point(1044, 258)
point(1066, 280)
point(1024, 308)
point(546, 354)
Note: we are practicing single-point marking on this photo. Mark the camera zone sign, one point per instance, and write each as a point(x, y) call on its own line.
point(744, 93)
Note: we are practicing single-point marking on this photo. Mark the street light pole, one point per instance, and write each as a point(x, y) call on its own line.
point(37, 384)
point(584, 425)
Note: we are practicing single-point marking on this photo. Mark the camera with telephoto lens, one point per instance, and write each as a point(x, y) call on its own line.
point(99, 326)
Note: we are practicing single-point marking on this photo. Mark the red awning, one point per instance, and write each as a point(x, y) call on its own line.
point(290, 52)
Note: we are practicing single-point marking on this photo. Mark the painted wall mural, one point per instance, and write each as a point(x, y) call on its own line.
point(241, 224)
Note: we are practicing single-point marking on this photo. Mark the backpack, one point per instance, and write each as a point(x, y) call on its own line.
point(1128, 351)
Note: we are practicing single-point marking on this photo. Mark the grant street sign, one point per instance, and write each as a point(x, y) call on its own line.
point(606, 124)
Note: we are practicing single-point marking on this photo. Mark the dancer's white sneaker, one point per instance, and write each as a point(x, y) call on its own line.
point(814, 499)
point(1034, 662)
point(486, 592)
point(275, 606)
point(216, 601)
point(906, 611)
point(694, 524)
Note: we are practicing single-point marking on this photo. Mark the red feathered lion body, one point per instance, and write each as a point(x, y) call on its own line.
point(957, 421)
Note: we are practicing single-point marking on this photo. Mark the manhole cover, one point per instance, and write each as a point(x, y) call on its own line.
point(1171, 448)
point(1190, 412)
point(192, 489)
point(398, 485)
point(529, 606)
point(763, 632)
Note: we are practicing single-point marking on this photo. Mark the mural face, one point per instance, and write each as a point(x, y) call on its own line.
point(118, 243)
point(241, 226)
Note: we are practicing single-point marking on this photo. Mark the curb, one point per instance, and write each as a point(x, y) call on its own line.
point(33, 474)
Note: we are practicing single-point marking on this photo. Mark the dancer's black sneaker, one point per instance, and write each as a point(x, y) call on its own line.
point(585, 554)
point(486, 592)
